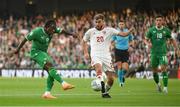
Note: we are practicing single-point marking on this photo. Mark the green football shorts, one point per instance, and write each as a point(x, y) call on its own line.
point(40, 57)
point(158, 60)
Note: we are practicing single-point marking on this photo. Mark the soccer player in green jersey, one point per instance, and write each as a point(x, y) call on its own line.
point(41, 37)
point(156, 39)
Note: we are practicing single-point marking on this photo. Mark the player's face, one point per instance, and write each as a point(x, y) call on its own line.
point(159, 22)
point(99, 23)
point(50, 30)
point(121, 25)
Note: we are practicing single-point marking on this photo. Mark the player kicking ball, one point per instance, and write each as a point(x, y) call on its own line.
point(41, 37)
point(100, 41)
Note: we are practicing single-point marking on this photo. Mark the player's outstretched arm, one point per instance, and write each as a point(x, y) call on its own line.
point(20, 46)
point(126, 33)
point(69, 33)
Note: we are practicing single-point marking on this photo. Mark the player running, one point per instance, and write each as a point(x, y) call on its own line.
point(41, 37)
point(121, 52)
point(100, 41)
point(156, 39)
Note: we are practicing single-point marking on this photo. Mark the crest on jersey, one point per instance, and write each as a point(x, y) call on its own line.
point(154, 31)
point(47, 39)
point(164, 32)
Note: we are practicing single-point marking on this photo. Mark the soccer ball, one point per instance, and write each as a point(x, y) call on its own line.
point(96, 85)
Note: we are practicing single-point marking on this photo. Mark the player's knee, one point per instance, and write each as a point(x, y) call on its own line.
point(99, 72)
point(119, 65)
point(125, 66)
point(163, 68)
point(48, 65)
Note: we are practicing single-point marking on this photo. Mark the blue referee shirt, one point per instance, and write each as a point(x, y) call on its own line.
point(121, 42)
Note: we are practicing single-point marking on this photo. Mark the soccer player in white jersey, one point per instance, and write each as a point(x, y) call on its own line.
point(99, 38)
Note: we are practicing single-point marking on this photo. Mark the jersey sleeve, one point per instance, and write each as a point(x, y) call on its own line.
point(114, 31)
point(58, 30)
point(148, 34)
point(87, 36)
point(168, 33)
point(31, 35)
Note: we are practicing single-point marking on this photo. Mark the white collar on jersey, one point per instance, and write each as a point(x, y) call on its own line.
point(159, 28)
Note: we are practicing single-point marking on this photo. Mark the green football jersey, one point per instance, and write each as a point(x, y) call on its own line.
point(158, 38)
point(40, 39)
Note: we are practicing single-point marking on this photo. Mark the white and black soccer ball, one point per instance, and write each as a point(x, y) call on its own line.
point(96, 85)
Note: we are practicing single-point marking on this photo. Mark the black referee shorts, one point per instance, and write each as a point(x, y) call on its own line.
point(121, 55)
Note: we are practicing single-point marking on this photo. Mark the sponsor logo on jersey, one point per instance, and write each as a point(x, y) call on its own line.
point(42, 37)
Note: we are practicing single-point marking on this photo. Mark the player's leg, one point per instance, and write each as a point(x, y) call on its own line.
point(154, 65)
point(110, 80)
point(98, 69)
point(50, 83)
point(41, 58)
point(120, 72)
point(163, 64)
point(118, 57)
point(110, 74)
point(53, 73)
point(125, 68)
point(45, 62)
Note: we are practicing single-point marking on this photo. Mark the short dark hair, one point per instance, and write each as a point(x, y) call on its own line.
point(50, 23)
point(99, 16)
point(159, 16)
point(122, 21)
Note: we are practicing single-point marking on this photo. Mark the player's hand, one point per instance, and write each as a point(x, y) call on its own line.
point(86, 56)
point(14, 52)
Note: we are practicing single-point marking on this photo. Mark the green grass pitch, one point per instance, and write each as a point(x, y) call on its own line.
point(137, 92)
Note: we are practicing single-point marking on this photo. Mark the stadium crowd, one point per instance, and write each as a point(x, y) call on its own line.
point(67, 52)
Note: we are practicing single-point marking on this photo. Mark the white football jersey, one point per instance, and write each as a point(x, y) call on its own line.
point(100, 41)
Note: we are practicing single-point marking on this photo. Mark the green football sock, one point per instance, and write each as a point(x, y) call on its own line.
point(165, 78)
point(156, 77)
point(53, 73)
point(50, 83)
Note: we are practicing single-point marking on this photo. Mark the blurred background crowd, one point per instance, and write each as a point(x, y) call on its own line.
point(67, 52)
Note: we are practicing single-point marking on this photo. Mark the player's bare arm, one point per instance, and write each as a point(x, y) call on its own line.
point(85, 48)
point(69, 33)
point(126, 33)
point(147, 42)
point(20, 46)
